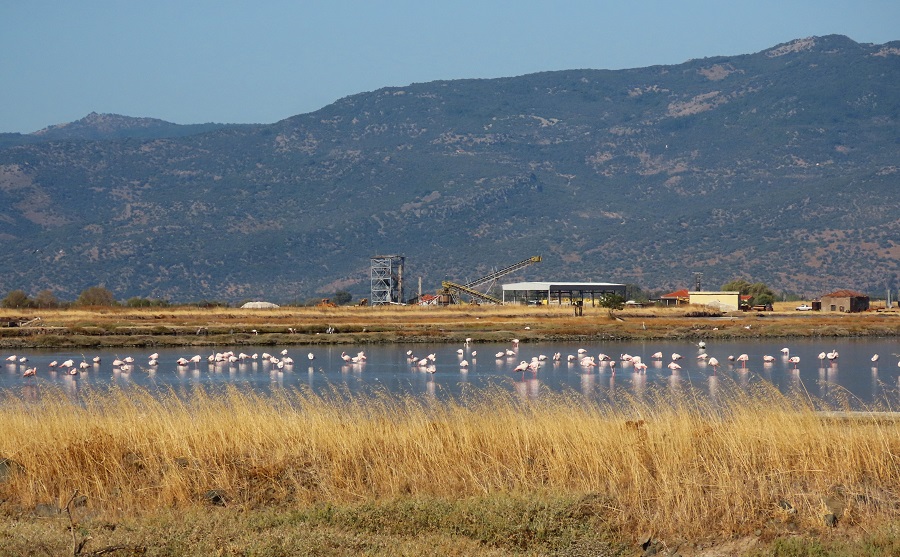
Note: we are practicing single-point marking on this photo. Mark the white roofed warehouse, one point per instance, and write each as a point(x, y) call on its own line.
point(559, 293)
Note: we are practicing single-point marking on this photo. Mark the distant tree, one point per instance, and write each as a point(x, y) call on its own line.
point(138, 302)
point(17, 299)
point(739, 285)
point(46, 299)
point(611, 301)
point(342, 297)
point(96, 296)
point(760, 293)
point(214, 304)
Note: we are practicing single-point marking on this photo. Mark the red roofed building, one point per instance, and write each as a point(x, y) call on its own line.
point(676, 298)
point(846, 301)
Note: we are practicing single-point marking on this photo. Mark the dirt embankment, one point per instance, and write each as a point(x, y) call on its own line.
point(194, 327)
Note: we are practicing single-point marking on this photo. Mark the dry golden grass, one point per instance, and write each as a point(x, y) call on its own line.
point(180, 326)
point(674, 467)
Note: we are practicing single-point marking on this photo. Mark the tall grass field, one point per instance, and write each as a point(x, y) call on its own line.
point(674, 467)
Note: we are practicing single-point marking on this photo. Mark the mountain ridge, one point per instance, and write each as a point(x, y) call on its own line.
point(776, 166)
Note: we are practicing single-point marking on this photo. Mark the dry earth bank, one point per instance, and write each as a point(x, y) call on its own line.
point(184, 326)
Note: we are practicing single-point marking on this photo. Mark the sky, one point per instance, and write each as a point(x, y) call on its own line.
point(197, 61)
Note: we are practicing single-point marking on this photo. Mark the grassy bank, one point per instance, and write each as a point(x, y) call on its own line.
point(389, 324)
point(492, 476)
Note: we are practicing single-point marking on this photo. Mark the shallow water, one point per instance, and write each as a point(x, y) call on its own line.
point(850, 381)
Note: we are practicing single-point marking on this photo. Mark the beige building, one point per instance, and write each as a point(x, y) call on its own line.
point(846, 301)
point(723, 301)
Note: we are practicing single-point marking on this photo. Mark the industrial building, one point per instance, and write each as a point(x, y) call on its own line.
point(559, 292)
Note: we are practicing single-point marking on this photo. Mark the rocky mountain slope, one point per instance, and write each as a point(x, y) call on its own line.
point(779, 166)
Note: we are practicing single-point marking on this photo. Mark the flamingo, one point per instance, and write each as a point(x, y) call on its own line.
point(657, 356)
point(640, 367)
point(460, 351)
point(182, 361)
point(674, 367)
point(786, 351)
point(500, 354)
point(30, 372)
point(284, 352)
point(676, 356)
point(345, 356)
point(833, 355)
point(768, 359)
point(96, 359)
point(570, 358)
point(474, 353)
point(714, 363)
point(875, 358)
point(743, 359)
point(523, 365)
point(311, 356)
point(463, 364)
point(794, 360)
point(52, 364)
point(468, 340)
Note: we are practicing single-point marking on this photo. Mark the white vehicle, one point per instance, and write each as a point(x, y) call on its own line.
point(804, 307)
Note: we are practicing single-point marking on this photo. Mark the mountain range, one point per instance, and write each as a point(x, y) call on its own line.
point(779, 166)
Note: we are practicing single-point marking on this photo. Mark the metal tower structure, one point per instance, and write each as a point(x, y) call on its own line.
point(387, 279)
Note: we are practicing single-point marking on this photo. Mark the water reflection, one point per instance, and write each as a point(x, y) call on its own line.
point(438, 371)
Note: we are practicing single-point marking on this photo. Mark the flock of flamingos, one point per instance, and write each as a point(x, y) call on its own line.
point(424, 364)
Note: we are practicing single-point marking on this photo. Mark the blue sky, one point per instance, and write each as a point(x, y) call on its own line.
point(193, 61)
